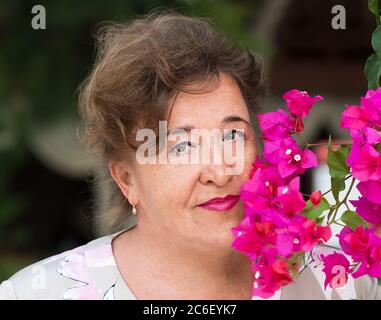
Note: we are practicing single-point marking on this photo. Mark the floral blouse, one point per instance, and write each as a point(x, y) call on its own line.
point(90, 272)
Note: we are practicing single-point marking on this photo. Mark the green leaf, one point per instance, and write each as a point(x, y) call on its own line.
point(376, 40)
point(352, 219)
point(337, 165)
point(319, 220)
point(314, 212)
point(372, 70)
point(297, 259)
point(374, 8)
point(337, 185)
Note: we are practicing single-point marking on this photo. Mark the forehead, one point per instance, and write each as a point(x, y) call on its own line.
point(211, 107)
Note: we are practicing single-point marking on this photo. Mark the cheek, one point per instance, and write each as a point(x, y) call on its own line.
point(166, 186)
point(250, 155)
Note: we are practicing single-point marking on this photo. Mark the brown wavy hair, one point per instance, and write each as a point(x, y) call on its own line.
point(140, 66)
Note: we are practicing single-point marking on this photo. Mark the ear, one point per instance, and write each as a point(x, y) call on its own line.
point(122, 177)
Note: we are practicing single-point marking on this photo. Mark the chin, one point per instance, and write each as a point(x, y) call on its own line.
point(220, 238)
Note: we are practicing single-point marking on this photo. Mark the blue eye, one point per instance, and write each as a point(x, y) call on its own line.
point(234, 134)
point(180, 147)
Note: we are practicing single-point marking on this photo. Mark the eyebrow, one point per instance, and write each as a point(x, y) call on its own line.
point(234, 118)
point(228, 119)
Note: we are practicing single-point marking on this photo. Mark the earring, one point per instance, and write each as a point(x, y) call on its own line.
point(134, 210)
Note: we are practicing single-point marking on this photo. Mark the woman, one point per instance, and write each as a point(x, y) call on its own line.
point(179, 70)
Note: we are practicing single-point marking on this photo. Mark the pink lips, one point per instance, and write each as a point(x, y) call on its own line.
point(221, 204)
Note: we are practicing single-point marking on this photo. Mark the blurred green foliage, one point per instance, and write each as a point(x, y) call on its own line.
point(372, 67)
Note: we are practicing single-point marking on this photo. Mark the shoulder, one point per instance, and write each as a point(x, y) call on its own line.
point(85, 272)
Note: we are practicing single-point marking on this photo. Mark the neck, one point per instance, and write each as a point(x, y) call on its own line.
point(186, 267)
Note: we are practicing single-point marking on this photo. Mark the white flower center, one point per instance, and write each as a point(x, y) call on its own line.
point(256, 275)
point(296, 241)
point(267, 183)
point(297, 157)
point(255, 285)
point(239, 233)
point(285, 190)
point(288, 151)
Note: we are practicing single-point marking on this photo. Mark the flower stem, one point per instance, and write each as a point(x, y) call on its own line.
point(325, 144)
point(302, 138)
point(338, 223)
point(344, 201)
point(349, 191)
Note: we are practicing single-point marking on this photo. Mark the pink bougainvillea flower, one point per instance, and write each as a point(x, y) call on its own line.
point(290, 159)
point(289, 238)
point(354, 117)
point(372, 104)
point(315, 198)
point(276, 203)
point(301, 235)
point(258, 164)
point(274, 228)
point(372, 97)
point(272, 152)
point(252, 236)
point(298, 125)
point(313, 234)
point(296, 162)
point(366, 136)
point(269, 172)
point(372, 136)
point(368, 210)
point(270, 277)
point(366, 115)
point(258, 193)
point(365, 162)
point(363, 158)
point(374, 259)
point(310, 234)
point(275, 125)
point(299, 103)
point(287, 244)
point(369, 205)
point(336, 269)
point(365, 247)
point(289, 199)
point(354, 243)
point(370, 190)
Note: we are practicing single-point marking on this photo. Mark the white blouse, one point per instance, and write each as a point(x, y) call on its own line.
point(90, 272)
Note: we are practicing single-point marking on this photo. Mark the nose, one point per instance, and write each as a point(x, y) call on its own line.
point(215, 174)
point(215, 171)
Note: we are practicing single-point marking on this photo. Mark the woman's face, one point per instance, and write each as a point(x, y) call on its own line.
point(170, 196)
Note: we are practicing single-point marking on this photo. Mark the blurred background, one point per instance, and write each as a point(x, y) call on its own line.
point(46, 199)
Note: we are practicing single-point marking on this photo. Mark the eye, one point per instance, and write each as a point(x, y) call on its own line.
point(180, 147)
point(234, 134)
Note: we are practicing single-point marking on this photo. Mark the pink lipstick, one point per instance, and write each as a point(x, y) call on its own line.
point(221, 204)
